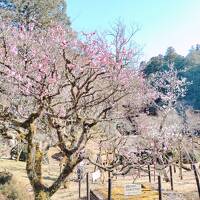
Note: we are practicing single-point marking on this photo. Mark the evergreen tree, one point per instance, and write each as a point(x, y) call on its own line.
point(193, 57)
point(192, 97)
point(42, 13)
point(170, 55)
point(154, 65)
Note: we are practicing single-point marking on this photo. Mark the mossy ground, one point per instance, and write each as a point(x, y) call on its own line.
point(118, 194)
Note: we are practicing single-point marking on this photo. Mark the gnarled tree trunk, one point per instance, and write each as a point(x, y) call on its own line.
point(41, 195)
point(34, 171)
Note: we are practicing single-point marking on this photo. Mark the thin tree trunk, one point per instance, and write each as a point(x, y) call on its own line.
point(166, 178)
point(60, 180)
point(19, 151)
point(180, 162)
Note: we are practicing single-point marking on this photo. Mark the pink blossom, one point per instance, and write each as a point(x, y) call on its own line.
point(14, 50)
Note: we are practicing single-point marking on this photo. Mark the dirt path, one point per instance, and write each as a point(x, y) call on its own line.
point(183, 189)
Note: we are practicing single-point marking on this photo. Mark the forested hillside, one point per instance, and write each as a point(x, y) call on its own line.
point(188, 67)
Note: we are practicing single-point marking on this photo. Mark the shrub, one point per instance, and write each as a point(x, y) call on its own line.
point(10, 188)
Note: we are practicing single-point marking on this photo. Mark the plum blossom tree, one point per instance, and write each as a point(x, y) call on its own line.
point(165, 131)
point(120, 141)
point(156, 137)
point(116, 143)
point(57, 88)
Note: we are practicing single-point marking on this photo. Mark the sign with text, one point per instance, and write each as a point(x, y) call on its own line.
point(132, 189)
point(96, 175)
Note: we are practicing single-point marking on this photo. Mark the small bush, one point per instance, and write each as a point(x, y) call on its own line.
point(10, 188)
point(5, 177)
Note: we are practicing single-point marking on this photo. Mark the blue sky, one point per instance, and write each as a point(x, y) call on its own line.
point(162, 23)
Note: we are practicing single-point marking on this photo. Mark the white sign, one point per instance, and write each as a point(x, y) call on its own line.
point(96, 175)
point(132, 189)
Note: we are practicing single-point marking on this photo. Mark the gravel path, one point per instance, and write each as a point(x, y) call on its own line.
point(173, 196)
point(169, 195)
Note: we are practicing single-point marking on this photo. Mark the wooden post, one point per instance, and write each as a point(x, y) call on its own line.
point(159, 188)
point(149, 173)
point(174, 168)
point(180, 162)
point(79, 188)
point(139, 175)
point(109, 187)
point(88, 186)
point(171, 177)
point(138, 150)
point(154, 162)
point(154, 170)
point(197, 179)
